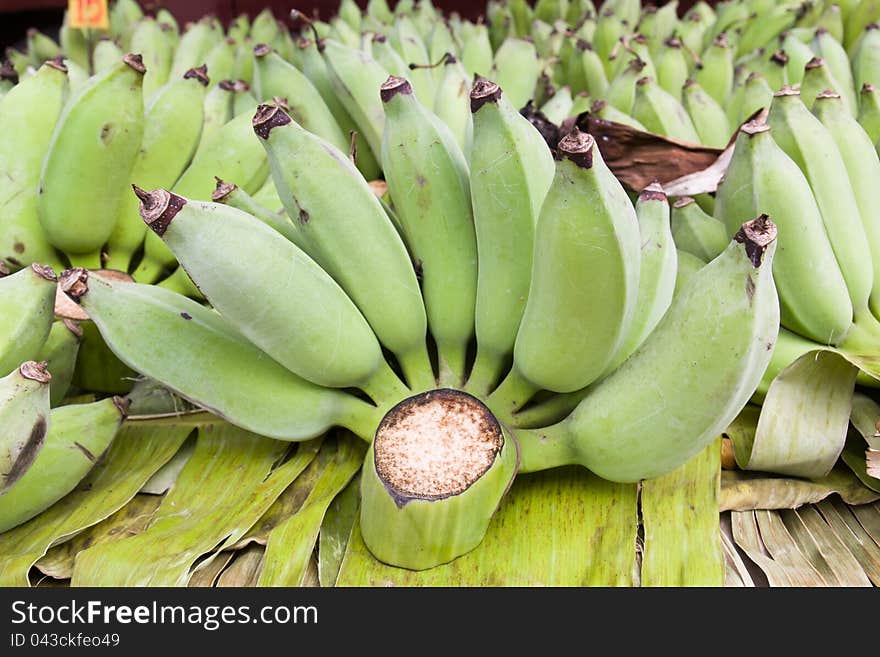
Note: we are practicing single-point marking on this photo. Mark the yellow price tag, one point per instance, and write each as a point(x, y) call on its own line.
point(88, 14)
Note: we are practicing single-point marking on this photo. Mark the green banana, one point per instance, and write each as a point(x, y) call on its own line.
point(658, 264)
point(831, 19)
point(169, 25)
point(715, 70)
point(274, 77)
point(264, 27)
point(217, 108)
point(692, 31)
point(407, 40)
point(621, 90)
point(194, 46)
point(59, 352)
point(695, 231)
point(452, 102)
point(124, 16)
point(798, 53)
point(862, 14)
point(427, 177)
point(243, 100)
point(866, 60)
point(384, 53)
point(869, 111)
point(27, 305)
point(74, 43)
point(28, 112)
point(311, 309)
point(818, 78)
point(239, 27)
point(812, 292)
point(707, 116)
point(608, 112)
point(766, 27)
point(157, 50)
point(41, 47)
point(234, 196)
point(774, 68)
point(102, 125)
point(172, 128)
point(220, 60)
point(806, 141)
point(515, 69)
point(77, 438)
point(558, 107)
point(609, 29)
point(863, 171)
point(106, 55)
point(757, 94)
point(24, 416)
point(587, 231)
point(476, 52)
point(214, 367)
point(661, 113)
point(672, 67)
point(619, 436)
point(834, 55)
point(344, 228)
point(512, 172)
point(688, 265)
point(97, 368)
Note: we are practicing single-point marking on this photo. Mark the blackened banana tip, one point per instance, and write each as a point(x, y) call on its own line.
point(199, 73)
point(392, 86)
point(268, 116)
point(484, 91)
point(74, 282)
point(757, 235)
point(158, 208)
point(136, 62)
point(577, 146)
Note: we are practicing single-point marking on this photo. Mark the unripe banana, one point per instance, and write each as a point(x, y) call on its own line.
point(806, 141)
point(515, 69)
point(74, 44)
point(765, 28)
point(41, 47)
point(243, 100)
point(688, 265)
point(837, 61)
point(661, 113)
point(24, 416)
point(774, 68)
point(234, 196)
point(20, 62)
point(707, 116)
point(595, 80)
point(380, 10)
point(622, 90)
point(428, 181)
point(106, 55)
point(101, 125)
point(27, 305)
point(215, 367)
point(866, 60)
point(217, 108)
point(609, 28)
point(344, 228)
point(672, 67)
point(169, 25)
point(274, 77)
point(350, 13)
point(220, 59)
point(757, 94)
point(264, 27)
point(818, 78)
point(243, 68)
point(512, 172)
point(863, 171)
point(476, 52)
point(97, 368)
point(658, 25)
point(384, 53)
point(861, 15)
point(869, 111)
point(608, 112)
point(441, 42)
point(615, 431)
point(59, 352)
point(78, 436)
point(194, 46)
point(124, 16)
point(313, 328)
point(408, 42)
point(157, 50)
point(799, 53)
point(715, 71)
point(315, 68)
point(452, 102)
point(172, 128)
point(812, 292)
point(558, 108)
point(658, 264)
point(239, 27)
point(581, 103)
point(587, 231)
point(692, 31)
point(695, 231)
point(355, 77)
point(27, 113)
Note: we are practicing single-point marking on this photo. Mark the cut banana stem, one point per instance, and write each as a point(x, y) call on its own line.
point(343, 227)
point(24, 416)
point(211, 364)
point(312, 327)
point(622, 437)
point(430, 488)
point(427, 178)
point(77, 438)
point(512, 172)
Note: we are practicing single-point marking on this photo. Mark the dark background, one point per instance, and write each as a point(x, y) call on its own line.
point(16, 16)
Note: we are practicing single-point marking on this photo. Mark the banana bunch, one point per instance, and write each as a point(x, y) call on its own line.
point(497, 310)
point(45, 448)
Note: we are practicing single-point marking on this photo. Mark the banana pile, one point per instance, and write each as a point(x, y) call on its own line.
point(357, 227)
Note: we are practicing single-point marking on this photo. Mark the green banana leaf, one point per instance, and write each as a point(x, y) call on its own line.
point(165, 476)
point(219, 482)
point(136, 453)
point(682, 544)
point(588, 525)
point(291, 544)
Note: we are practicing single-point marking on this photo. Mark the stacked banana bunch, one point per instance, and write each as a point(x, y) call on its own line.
point(490, 307)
